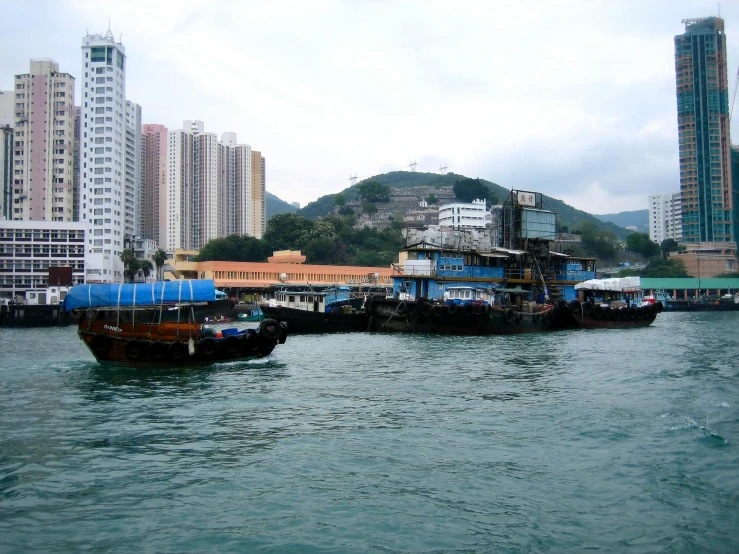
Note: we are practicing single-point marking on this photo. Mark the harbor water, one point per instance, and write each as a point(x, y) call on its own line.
point(604, 440)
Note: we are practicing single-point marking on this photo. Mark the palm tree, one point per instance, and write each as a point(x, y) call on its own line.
point(147, 267)
point(160, 256)
point(129, 261)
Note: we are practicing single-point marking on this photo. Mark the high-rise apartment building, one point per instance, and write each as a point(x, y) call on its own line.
point(665, 217)
point(133, 171)
point(43, 151)
point(707, 196)
point(6, 171)
point(153, 207)
point(258, 223)
point(107, 203)
point(211, 188)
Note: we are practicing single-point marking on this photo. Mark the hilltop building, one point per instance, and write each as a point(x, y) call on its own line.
point(464, 215)
point(43, 152)
point(708, 198)
point(665, 217)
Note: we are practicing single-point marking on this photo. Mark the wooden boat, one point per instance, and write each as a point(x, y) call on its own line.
point(131, 324)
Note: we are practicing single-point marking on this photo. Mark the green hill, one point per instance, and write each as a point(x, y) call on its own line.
point(566, 214)
point(637, 218)
point(276, 206)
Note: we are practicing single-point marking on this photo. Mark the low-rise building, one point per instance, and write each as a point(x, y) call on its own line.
point(29, 248)
point(707, 259)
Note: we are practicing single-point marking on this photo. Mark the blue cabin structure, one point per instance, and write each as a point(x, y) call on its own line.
point(513, 254)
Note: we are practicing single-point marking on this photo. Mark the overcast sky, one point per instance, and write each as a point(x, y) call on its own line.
point(575, 99)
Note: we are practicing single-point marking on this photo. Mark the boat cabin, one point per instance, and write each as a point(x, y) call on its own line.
point(311, 300)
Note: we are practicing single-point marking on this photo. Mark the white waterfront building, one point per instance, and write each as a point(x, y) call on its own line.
point(462, 215)
point(665, 217)
point(108, 176)
point(29, 248)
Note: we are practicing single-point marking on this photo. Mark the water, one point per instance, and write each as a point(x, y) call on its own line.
point(614, 441)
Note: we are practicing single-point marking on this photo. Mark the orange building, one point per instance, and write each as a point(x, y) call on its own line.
point(284, 267)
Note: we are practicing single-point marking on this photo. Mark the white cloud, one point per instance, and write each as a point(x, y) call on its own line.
point(575, 99)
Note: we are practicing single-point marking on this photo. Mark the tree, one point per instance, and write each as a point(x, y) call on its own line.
point(284, 231)
point(147, 267)
point(467, 190)
point(234, 248)
point(160, 256)
point(372, 191)
point(129, 261)
point(339, 200)
point(669, 245)
point(642, 244)
point(659, 267)
point(600, 242)
point(346, 210)
point(493, 199)
point(431, 199)
point(369, 208)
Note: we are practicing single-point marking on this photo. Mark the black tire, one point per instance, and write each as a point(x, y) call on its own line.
point(519, 317)
point(453, 307)
point(597, 311)
point(100, 344)
point(158, 350)
point(587, 308)
point(270, 329)
point(469, 309)
point(207, 346)
point(489, 311)
point(632, 312)
point(134, 349)
point(178, 350)
point(508, 315)
point(437, 310)
point(574, 305)
point(231, 344)
point(251, 345)
point(426, 308)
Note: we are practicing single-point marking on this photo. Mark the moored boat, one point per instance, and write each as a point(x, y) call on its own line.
point(309, 311)
point(133, 324)
point(607, 303)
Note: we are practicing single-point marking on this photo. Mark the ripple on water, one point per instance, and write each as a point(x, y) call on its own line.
point(616, 441)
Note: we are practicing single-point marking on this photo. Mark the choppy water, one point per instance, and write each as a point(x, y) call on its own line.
point(614, 441)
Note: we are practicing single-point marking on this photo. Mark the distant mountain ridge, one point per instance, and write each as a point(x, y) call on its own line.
point(566, 214)
point(276, 206)
point(635, 218)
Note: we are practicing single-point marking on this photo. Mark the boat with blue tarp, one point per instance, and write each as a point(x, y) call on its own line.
point(136, 324)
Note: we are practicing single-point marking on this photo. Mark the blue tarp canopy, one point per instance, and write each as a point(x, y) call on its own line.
point(139, 294)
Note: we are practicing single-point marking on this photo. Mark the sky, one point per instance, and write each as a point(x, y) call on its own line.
point(574, 99)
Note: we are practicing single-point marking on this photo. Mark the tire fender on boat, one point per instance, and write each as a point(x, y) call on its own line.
point(469, 309)
point(157, 350)
point(207, 346)
point(508, 315)
point(134, 349)
point(270, 329)
point(426, 308)
point(178, 350)
point(519, 317)
point(453, 307)
point(100, 343)
point(437, 310)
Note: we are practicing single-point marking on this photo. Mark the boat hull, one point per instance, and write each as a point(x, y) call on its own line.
point(403, 316)
point(305, 322)
point(172, 343)
point(576, 315)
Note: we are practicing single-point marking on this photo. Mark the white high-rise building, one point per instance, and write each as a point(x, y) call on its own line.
point(105, 204)
point(463, 215)
point(210, 188)
point(665, 217)
point(133, 171)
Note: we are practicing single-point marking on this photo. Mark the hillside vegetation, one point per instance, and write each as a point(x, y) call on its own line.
point(569, 218)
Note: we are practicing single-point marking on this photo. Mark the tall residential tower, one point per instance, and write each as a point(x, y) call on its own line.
point(106, 195)
point(44, 144)
point(708, 200)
